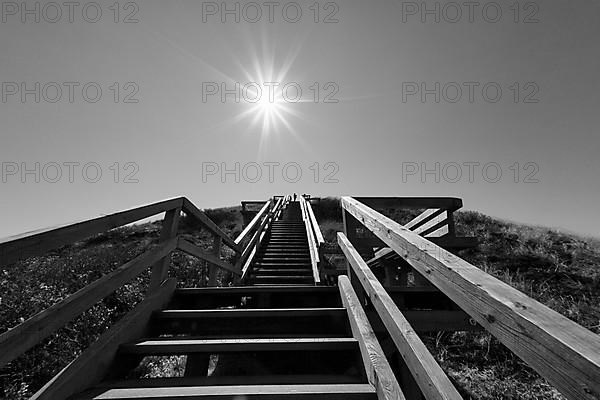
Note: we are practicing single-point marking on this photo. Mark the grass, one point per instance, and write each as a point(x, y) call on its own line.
point(557, 269)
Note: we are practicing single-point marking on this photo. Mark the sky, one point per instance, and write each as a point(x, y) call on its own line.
point(110, 105)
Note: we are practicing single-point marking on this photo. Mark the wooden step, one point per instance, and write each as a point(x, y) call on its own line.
point(282, 259)
point(285, 254)
point(238, 392)
point(252, 297)
point(261, 322)
point(288, 271)
point(275, 264)
point(188, 346)
point(278, 279)
point(286, 379)
point(286, 246)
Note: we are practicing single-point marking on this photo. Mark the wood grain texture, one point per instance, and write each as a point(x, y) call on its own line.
point(376, 365)
point(26, 335)
point(565, 353)
point(430, 377)
point(239, 392)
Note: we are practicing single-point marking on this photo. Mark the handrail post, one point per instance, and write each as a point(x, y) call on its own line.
point(160, 269)
point(216, 251)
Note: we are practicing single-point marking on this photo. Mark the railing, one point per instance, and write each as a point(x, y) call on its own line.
point(315, 238)
point(436, 223)
point(563, 352)
point(29, 333)
point(256, 231)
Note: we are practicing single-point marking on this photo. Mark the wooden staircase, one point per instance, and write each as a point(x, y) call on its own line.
point(270, 342)
point(284, 257)
point(279, 333)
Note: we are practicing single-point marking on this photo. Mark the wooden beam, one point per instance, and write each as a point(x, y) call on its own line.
point(430, 377)
point(26, 335)
point(193, 250)
point(160, 269)
point(312, 245)
point(378, 369)
point(216, 251)
point(247, 392)
point(563, 352)
point(314, 224)
point(257, 218)
point(93, 364)
point(424, 217)
point(190, 209)
point(38, 242)
point(447, 203)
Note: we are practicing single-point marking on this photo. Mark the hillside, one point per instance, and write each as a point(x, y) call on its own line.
point(557, 269)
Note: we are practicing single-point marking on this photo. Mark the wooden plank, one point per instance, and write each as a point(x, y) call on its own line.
point(193, 250)
point(38, 242)
point(257, 218)
point(312, 246)
point(254, 392)
point(254, 290)
point(26, 335)
point(250, 313)
point(424, 217)
point(93, 364)
point(216, 251)
point(563, 352)
point(189, 346)
point(190, 209)
point(250, 250)
point(378, 369)
point(196, 380)
point(432, 225)
point(430, 377)
point(447, 203)
point(314, 224)
point(160, 269)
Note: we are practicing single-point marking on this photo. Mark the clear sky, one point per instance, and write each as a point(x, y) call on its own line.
point(361, 120)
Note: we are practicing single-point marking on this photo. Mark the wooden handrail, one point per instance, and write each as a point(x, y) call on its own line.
point(430, 377)
point(252, 246)
point(314, 224)
point(378, 370)
point(255, 221)
point(563, 352)
point(312, 244)
point(26, 335)
point(38, 242)
point(95, 361)
point(423, 218)
point(193, 250)
point(190, 209)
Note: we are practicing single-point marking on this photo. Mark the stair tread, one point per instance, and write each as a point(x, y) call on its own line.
point(324, 391)
point(233, 379)
point(249, 312)
point(186, 346)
